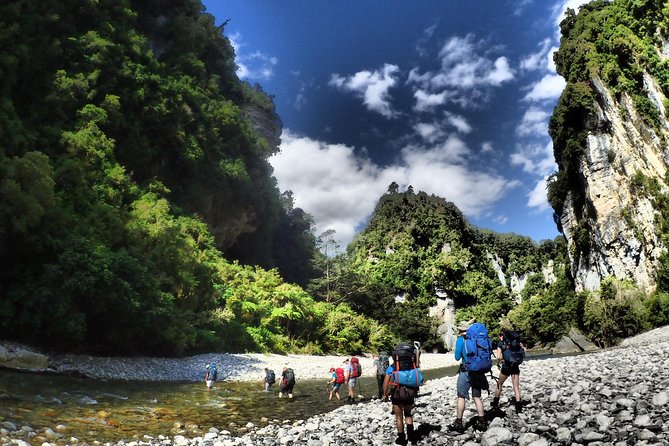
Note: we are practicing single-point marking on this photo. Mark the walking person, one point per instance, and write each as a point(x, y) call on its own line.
point(381, 363)
point(269, 379)
point(510, 353)
point(210, 375)
point(471, 375)
point(401, 383)
point(353, 371)
point(287, 382)
point(336, 380)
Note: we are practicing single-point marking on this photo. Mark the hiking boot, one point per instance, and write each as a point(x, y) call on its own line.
point(495, 403)
point(480, 424)
point(519, 406)
point(401, 439)
point(457, 426)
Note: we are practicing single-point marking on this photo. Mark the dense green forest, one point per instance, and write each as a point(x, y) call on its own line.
point(138, 212)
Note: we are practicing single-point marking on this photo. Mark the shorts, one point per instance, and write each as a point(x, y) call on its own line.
point(287, 388)
point(508, 369)
point(352, 382)
point(403, 396)
point(464, 385)
point(336, 386)
point(209, 383)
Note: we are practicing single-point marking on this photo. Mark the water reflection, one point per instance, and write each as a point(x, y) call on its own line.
point(109, 410)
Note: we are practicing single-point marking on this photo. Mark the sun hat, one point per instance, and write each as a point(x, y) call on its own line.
point(463, 326)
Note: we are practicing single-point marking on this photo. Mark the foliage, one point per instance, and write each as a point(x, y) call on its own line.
point(543, 318)
point(615, 312)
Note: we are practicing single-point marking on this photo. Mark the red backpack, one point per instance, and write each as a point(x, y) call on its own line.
point(341, 378)
point(356, 368)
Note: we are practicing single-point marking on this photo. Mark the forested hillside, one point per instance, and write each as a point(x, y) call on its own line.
point(133, 172)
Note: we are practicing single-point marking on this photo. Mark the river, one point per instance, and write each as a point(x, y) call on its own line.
point(110, 410)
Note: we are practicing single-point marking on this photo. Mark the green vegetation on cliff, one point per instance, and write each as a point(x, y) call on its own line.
point(133, 174)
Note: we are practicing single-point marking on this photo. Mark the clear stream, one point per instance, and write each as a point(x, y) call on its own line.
point(111, 410)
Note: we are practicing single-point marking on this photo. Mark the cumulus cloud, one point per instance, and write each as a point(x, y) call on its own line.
point(371, 86)
point(464, 68)
point(459, 122)
point(340, 188)
point(548, 87)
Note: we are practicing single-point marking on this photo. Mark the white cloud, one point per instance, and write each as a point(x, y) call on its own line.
point(549, 87)
point(459, 122)
point(539, 60)
point(538, 197)
point(486, 147)
point(535, 159)
point(429, 131)
point(534, 123)
point(339, 188)
point(427, 101)
point(463, 77)
point(256, 66)
point(371, 86)
point(501, 219)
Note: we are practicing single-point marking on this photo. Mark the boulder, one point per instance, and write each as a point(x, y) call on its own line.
point(565, 345)
point(18, 358)
point(581, 341)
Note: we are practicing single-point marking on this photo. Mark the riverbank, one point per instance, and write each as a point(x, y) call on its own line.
point(231, 367)
point(613, 397)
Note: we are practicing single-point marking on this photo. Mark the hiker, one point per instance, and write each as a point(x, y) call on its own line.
point(510, 354)
point(471, 348)
point(269, 379)
point(210, 375)
point(337, 378)
point(381, 364)
point(353, 372)
point(287, 382)
point(401, 382)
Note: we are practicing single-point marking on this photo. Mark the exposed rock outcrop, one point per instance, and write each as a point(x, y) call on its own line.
point(623, 239)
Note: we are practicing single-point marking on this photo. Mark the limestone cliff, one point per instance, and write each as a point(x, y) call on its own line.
point(610, 135)
point(623, 240)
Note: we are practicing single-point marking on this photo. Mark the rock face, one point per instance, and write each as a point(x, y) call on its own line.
point(623, 239)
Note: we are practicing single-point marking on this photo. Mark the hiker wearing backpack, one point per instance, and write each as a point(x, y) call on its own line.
point(381, 363)
point(210, 375)
point(269, 379)
point(337, 378)
point(353, 371)
point(287, 382)
point(401, 383)
point(510, 354)
point(474, 349)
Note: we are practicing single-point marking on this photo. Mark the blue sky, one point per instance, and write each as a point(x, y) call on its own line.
point(451, 97)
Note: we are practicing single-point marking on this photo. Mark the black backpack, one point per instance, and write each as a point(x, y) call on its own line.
point(289, 375)
point(404, 356)
point(513, 352)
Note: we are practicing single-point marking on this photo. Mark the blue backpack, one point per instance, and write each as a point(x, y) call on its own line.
point(213, 373)
point(478, 348)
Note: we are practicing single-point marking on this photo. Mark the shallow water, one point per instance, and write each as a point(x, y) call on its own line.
point(109, 410)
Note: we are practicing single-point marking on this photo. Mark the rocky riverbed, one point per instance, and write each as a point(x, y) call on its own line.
point(619, 396)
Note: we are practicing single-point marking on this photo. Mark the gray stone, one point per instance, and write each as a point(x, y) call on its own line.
point(563, 435)
point(496, 435)
point(661, 398)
